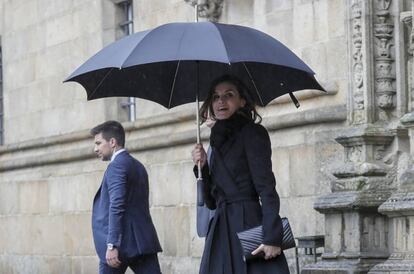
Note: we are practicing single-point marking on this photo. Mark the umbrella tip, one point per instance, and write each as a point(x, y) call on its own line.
point(294, 100)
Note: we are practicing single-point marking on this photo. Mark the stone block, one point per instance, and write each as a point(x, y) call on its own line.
point(157, 215)
point(165, 184)
point(238, 11)
point(336, 48)
point(33, 197)
point(18, 72)
point(77, 234)
point(302, 170)
point(73, 193)
point(304, 220)
point(179, 265)
point(352, 236)
point(282, 18)
point(281, 169)
point(47, 235)
point(286, 138)
point(14, 11)
point(85, 264)
point(16, 235)
point(197, 243)
point(336, 15)
point(188, 183)
point(9, 202)
point(315, 55)
point(303, 24)
point(2, 16)
point(173, 228)
point(51, 8)
point(333, 232)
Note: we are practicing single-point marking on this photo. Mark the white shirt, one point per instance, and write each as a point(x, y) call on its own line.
point(116, 153)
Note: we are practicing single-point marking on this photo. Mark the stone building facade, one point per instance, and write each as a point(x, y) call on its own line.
point(343, 161)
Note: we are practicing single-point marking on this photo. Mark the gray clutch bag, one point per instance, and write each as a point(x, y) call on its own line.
point(251, 239)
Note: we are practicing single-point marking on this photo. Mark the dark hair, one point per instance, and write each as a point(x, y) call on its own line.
point(111, 129)
point(249, 108)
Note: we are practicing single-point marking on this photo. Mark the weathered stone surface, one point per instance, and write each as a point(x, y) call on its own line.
point(49, 175)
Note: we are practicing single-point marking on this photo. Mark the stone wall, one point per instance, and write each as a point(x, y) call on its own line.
point(48, 173)
point(43, 41)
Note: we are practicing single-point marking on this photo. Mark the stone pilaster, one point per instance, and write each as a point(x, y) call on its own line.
point(400, 206)
point(356, 233)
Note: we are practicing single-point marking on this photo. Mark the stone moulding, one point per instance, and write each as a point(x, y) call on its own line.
point(399, 204)
point(357, 266)
point(326, 115)
point(337, 202)
point(156, 121)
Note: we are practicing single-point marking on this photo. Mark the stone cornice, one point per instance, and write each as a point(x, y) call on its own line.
point(41, 156)
point(156, 121)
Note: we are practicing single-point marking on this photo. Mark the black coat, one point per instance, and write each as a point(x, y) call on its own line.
point(240, 173)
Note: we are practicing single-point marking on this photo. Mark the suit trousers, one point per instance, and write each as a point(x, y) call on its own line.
point(146, 264)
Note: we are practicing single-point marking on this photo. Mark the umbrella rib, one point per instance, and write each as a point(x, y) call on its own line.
point(254, 84)
point(100, 83)
point(173, 84)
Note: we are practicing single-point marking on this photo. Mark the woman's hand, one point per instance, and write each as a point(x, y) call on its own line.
point(199, 155)
point(270, 251)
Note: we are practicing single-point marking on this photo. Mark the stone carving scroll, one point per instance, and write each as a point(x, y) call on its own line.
point(209, 9)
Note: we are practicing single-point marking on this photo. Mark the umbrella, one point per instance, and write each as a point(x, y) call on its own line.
point(174, 64)
point(171, 63)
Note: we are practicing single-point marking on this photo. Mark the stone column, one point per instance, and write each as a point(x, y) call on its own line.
point(356, 234)
point(400, 206)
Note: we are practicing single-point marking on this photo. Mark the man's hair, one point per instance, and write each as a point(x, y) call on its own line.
point(111, 129)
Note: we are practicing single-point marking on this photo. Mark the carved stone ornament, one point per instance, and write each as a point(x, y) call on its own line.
point(209, 9)
point(357, 64)
point(384, 61)
point(407, 18)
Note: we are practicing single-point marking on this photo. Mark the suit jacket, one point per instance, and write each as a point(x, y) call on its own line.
point(120, 212)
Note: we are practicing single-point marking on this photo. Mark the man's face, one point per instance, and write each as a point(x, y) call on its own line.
point(103, 148)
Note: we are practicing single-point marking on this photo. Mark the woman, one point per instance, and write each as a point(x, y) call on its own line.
point(238, 174)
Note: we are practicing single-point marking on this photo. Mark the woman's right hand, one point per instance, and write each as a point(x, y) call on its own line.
point(199, 155)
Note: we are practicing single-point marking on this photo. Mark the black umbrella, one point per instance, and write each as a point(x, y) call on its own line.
point(171, 63)
point(175, 63)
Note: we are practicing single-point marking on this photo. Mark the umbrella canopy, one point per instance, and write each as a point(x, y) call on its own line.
point(174, 63)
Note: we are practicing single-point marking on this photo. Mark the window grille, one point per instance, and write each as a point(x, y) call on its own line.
point(1, 101)
point(127, 25)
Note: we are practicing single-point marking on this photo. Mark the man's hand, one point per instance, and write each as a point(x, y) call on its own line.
point(112, 258)
point(270, 251)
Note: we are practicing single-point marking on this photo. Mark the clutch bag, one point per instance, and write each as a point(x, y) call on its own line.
point(252, 238)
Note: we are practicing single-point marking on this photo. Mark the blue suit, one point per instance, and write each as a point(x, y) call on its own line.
point(120, 212)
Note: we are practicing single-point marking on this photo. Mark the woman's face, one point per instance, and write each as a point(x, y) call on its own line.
point(226, 100)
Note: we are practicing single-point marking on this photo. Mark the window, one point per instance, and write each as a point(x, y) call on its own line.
point(1, 100)
point(127, 25)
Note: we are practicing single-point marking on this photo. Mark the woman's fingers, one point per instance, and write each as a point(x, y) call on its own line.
point(268, 250)
point(258, 250)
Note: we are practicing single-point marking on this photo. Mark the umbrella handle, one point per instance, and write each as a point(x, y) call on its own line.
point(200, 177)
point(200, 194)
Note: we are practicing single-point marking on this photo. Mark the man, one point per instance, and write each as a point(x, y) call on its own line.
point(123, 231)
